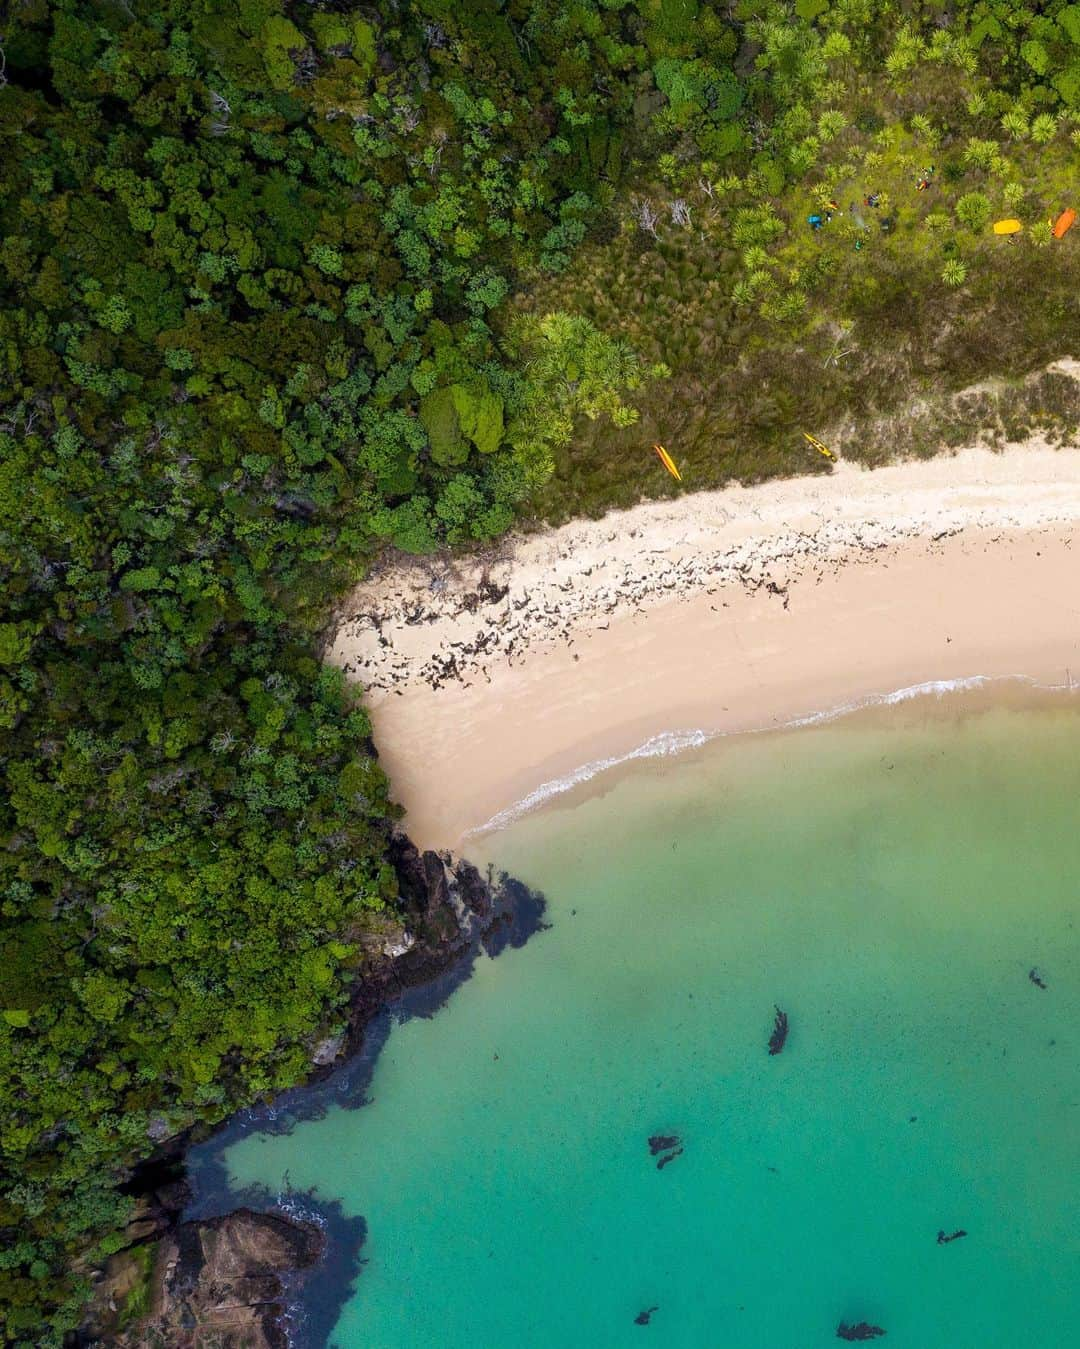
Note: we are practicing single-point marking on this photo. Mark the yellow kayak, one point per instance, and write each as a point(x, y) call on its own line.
point(821, 449)
point(1007, 226)
point(668, 462)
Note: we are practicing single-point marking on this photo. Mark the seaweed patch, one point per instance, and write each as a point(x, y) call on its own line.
point(779, 1035)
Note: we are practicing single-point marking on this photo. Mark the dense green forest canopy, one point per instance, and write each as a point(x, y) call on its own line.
point(257, 263)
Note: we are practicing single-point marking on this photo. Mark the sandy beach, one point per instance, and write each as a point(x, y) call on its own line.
point(494, 682)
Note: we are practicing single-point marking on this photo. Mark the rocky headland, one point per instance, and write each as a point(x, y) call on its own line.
point(228, 1280)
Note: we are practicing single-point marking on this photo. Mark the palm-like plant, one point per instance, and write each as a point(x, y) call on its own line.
point(1014, 194)
point(1015, 123)
point(830, 124)
point(954, 273)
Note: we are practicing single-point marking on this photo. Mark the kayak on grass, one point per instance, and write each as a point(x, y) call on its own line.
point(821, 449)
point(668, 462)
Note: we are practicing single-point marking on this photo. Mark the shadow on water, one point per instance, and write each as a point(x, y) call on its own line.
point(317, 1295)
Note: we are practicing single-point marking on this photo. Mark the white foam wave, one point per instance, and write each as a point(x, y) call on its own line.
point(675, 742)
point(937, 687)
point(657, 746)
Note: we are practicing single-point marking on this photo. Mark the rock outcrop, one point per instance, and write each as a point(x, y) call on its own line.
point(223, 1280)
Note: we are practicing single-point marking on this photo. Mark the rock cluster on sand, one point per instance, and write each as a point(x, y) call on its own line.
point(440, 622)
point(454, 626)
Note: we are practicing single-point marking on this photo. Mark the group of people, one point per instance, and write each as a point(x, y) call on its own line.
point(872, 199)
point(817, 221)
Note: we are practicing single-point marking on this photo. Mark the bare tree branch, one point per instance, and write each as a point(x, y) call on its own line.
point(646, 215)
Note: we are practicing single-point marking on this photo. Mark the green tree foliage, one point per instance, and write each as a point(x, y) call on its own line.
point(252, 261)
point(572, 369)
point(1045, 38)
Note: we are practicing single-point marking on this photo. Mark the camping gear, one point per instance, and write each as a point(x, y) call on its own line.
point(1064, 223)
point(1007, 226)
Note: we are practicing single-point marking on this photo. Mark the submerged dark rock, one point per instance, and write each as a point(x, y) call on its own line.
point(662, 1142)
point(519, 919)
point(943, 1238)
point(860, 1330)
point(1036, 978)
point(670, 1145)
point(779, 1035)
point(644, 1317)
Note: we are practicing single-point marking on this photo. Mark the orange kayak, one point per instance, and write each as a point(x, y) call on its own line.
point(1064, 223)
point(668, 462)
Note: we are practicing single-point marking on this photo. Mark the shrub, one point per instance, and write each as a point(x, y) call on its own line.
point(973, 210)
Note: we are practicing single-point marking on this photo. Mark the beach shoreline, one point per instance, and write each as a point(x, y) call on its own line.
point(499, 681)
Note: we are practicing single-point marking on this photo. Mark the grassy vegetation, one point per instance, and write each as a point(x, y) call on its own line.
point(137, 1301)
point(770, 327)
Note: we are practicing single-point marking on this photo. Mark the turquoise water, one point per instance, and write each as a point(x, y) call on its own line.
point(888, 883)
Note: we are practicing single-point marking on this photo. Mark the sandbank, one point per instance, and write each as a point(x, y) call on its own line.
point(493, 682)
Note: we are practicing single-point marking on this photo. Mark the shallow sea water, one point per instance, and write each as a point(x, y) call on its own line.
point(888, 881)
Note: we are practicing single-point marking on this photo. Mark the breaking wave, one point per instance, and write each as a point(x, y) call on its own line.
point(675, 742)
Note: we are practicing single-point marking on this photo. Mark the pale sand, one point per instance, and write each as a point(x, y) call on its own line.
point(718, 612)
